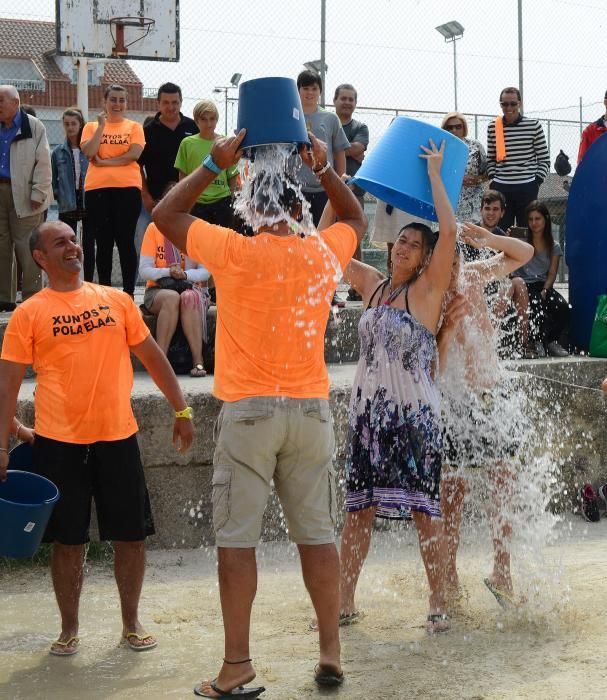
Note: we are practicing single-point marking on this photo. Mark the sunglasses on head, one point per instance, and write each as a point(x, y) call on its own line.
point(509, 104)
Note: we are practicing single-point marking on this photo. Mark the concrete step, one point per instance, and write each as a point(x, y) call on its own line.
point(180, 485)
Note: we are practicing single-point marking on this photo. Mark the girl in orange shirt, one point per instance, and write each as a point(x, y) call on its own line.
point(113, 145)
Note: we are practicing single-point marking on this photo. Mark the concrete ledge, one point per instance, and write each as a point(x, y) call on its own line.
point(180, 486)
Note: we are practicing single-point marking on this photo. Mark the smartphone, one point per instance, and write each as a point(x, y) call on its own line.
point(518, 232)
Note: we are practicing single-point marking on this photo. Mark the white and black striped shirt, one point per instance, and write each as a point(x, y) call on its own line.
point(527, 156)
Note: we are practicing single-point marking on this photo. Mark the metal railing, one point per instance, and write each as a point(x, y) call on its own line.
point(20, 84)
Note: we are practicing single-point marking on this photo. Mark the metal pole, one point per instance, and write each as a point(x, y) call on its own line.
point(455, 73)
point(225, 92)
point(82, 94)
point(520, 48)
point(323, 32)
point(581, 117)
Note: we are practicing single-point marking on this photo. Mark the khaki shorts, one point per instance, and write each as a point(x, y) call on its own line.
point(288, 441)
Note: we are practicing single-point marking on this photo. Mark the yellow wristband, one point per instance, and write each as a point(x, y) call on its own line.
point(187, 413)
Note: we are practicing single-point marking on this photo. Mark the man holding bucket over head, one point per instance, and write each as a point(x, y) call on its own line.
point(78, 336)
point(273, 298)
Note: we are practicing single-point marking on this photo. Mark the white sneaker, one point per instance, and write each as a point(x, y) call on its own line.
point(556, 350)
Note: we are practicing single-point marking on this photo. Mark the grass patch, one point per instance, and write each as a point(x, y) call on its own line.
point(95, 552)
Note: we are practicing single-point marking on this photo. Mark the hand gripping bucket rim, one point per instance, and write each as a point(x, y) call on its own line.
point(271, 112)
point(394, 173)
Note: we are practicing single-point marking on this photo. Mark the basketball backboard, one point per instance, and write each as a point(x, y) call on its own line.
point(136, 29)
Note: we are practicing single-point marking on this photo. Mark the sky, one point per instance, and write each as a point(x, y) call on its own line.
point(391, 52)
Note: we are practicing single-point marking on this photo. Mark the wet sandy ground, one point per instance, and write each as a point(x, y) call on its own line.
point(555, 648)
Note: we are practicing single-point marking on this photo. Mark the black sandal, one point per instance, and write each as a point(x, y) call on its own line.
point(327, 676)
point(238, 692)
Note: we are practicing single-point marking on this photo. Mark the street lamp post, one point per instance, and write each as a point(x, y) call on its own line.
point(234, 80)
point(452, 31)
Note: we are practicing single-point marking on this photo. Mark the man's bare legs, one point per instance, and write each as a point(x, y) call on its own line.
point(67, 574)
point(355, 542)
point(320, 568)
point(453, 491)
point(129, 570)
point(237, 589)
point(237, 571)
point(501, 481)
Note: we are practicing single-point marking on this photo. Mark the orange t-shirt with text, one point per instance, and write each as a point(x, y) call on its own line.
point(273, 301)
point(116, 140)
point(153, 246)
point(78, 343)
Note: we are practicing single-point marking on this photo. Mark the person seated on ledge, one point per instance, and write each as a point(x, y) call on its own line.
point(548, 311)
point(176, 291)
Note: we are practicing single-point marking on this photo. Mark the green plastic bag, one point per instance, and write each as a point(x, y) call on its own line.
point(598, 339)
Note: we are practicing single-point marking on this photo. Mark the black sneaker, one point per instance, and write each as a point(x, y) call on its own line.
point(7, 306)
point(589, 503)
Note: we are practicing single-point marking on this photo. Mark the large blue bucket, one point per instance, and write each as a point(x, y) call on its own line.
point(271, 112)
point(26, 503)
point(394, 172)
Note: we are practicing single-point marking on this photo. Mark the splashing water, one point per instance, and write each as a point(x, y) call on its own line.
point(270, 189)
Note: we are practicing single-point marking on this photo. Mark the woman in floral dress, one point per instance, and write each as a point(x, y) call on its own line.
point(469, 205)
point(394, 451)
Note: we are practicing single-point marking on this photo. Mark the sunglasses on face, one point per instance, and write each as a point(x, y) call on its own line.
point(454, 127)
point(509, 104)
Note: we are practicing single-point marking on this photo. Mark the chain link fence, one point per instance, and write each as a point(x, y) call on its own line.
point(390, 51)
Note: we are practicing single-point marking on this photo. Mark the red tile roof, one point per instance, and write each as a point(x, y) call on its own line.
point(36, 41)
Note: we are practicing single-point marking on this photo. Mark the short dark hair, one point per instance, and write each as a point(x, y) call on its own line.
point(113, 88)
point(35, 242)
point(511, 89)
point(169, 88)
point(345, 86)
point(307, 78)
point(491, 196)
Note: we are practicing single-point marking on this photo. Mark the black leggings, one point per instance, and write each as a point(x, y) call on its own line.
point(112, 214)
point(548, 317)
point(88, 241)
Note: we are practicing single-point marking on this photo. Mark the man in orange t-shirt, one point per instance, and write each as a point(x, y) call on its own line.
point(77, 336)
point(274, 292)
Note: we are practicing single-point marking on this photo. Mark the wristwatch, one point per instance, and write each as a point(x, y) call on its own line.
point(187, 413)
point(209, 163)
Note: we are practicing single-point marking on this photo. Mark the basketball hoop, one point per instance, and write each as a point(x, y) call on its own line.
point(117, 25)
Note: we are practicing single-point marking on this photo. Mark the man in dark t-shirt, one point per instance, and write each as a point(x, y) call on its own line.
point(162, 138)
point(344, 100)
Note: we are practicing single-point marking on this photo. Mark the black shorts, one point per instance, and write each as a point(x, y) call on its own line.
point(109, 472)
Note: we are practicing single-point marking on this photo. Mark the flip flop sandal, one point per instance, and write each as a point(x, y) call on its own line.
point(70, 647)
point(438, 623)
point(504, 600)
point(140, 638)
point(327, 676)
point(198, 371)
point(240, 692)
point(345, 620)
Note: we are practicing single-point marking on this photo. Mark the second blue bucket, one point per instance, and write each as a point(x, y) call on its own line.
point(26, 503)
point(394, 172)
point(271, 112)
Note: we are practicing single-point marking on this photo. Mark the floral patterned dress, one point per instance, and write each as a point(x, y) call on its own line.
point(394, 438)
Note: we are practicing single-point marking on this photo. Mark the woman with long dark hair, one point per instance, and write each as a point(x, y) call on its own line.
point(548, 311)
point(69, 166)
